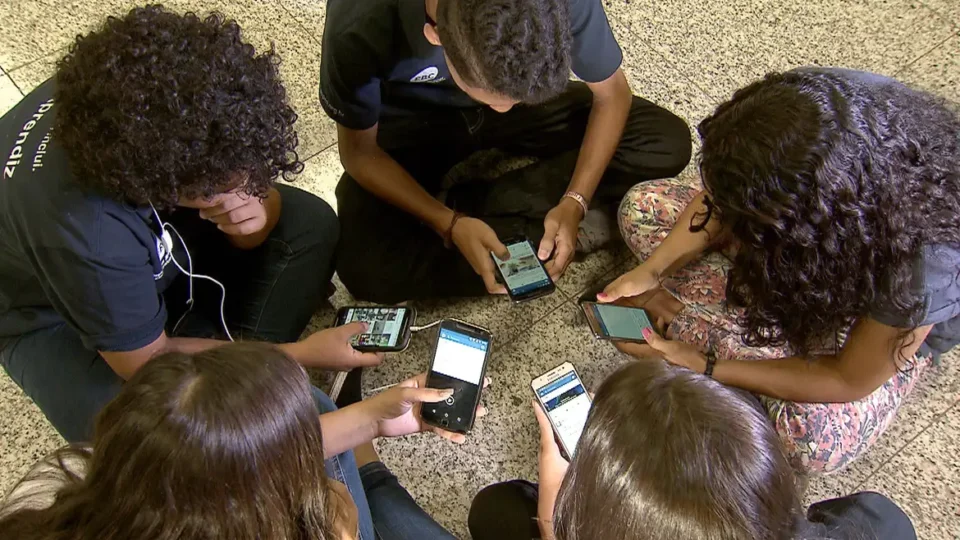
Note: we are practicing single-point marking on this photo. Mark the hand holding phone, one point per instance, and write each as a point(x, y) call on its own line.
point(398, 409)
point(459, 363)
point(476, 240)
point(523, 273)
point(617, 323)
point(331, 349)
point(387, 328)
point(565, 400)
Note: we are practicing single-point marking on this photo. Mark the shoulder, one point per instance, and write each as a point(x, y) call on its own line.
point(861, 515)
point(369, 23)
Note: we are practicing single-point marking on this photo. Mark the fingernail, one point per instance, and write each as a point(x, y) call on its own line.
point(601, 295)
point(447, 393)
point(646, 333)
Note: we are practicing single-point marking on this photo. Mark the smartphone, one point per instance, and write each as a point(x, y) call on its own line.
point(459, 362)
point(564, 398)
point(388, 328)
point(523, 274)
point(617, 323)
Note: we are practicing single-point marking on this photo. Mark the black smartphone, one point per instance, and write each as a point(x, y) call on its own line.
point(617, 323)
point(388, 327)
point(459, 362)
point(523, 274)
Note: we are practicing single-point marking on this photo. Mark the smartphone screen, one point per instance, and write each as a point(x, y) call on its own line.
point(459, 363)
point(619, 322)
point(386, 325)
point(567, 404)
point(523, 273)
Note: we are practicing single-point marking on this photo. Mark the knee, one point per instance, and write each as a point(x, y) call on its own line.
point(672, 146)
point(364, 271)
point(307, 222)
point(648, 204)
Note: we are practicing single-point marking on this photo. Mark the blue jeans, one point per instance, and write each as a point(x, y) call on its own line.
point(385, 510)
point(272, 291)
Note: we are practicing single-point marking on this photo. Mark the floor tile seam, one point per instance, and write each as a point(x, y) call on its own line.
point(656, 50)
point(924, 54)
point(300, 24)
point(953, 23)
point(937, 419)
point(910, 64)
point(549, 312)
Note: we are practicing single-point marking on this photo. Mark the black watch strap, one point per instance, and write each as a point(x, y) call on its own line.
point(711, 361)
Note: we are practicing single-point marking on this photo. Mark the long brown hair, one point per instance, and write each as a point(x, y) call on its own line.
point(224, 443)
point(670, 454)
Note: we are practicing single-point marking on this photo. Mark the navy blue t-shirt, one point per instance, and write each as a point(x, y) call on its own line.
point(67, 255)
point(376, 61)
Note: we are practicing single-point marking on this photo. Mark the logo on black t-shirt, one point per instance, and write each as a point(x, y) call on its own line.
point(428, 74)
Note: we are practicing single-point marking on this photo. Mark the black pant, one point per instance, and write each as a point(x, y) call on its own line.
point(272, 291)
point(508, 511)
point(389, 256)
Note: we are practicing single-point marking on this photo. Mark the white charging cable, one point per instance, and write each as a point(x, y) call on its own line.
point(189, 273)
point(426, 326)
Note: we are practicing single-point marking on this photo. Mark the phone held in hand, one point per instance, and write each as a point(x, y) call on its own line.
point(565, 400)
point(617, 323)
point(459, 362)
point(388, 328)
point(523, 273)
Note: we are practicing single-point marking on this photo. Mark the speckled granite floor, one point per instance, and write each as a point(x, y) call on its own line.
point(685, 54)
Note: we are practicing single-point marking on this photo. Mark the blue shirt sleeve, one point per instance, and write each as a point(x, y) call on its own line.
point(349, 82)
point(101, 281)
point(595, 54)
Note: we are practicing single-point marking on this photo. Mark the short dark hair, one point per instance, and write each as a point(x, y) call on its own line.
point(155, 106)
point(516, 48)
point(224, 443)
point(668, 453)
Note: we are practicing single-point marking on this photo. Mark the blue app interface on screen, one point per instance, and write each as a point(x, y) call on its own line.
point(522, 272)
point(621, 322)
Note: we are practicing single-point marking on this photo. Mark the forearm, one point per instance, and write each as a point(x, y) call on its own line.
point(347, 428)
point(382, 176)
point(683, 245)
point(272, 204)
point(816, 380)
point(608, 116)
point(127, 363)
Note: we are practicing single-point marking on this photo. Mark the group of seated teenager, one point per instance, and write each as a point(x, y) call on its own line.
point(800, 286)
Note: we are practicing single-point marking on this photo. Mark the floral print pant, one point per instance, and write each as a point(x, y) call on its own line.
point(817, 437)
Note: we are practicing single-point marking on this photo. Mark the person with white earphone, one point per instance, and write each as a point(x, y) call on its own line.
point(140, 214)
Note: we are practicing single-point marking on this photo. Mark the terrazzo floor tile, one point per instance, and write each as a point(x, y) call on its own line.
point(320, 175)
point(9, 95)
point(25, 435)
point(938, 71)
point(949, 9)
point(311, 14)
point(936, 392)
point(724, 45)
point(32, 75)
point(924, 479)
point(503, 445)
point(30, 29)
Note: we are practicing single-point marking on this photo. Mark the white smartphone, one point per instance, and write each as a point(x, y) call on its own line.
point(564, 398)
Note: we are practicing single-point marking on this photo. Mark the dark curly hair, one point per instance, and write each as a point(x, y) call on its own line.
point(516, 48)
point(155, 106)
point(833, 186)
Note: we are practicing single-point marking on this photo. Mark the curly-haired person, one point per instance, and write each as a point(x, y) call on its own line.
point(153, 152)
point(418, 86)
point(831, 200)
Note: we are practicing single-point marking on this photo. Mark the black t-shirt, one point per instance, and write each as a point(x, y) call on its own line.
point(376, 61)
point(68, 255)
point(861, 516)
